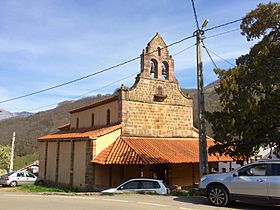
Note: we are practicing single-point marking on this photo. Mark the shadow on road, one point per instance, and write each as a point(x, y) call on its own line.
point(235, 205)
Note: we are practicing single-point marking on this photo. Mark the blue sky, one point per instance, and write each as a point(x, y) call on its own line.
point(47, 42)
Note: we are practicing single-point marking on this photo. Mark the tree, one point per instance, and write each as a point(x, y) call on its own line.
point(5, 154)
point(250, 92)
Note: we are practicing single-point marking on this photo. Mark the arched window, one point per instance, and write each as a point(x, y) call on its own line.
point(153, 68)
point(108, 117)
point(159, 51)
point(77, 123)
point(164, 70)
point(92, 120)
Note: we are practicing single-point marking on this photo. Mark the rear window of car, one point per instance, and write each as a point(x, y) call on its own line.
point(275, 169)
point(150, 185)
point(9, 174)
point(30, 175)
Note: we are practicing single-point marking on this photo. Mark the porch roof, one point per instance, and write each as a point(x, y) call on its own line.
point(145, 151)
point(81, 133)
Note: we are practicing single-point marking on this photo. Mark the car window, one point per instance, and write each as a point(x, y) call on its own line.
point(275, 169)
point(130, 185)
point(253, 170)
point(149, 185)
point(20, 174)
point(30, 175)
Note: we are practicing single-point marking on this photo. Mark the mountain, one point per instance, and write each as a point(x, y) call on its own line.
point(5, 114)
point(23, 114)
point(29, 127)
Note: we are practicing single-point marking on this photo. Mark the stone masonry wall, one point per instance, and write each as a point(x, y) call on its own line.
point(153, 107)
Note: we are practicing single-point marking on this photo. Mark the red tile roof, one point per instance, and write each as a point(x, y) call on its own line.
point(99, 103)
point(64, 127)
point(142, 151)
point(81, 133)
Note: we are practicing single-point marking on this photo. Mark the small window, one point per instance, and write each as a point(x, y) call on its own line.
point(92, 120)
point(77, 123)
point(275, 169)
point(147, 185)
point(20, 174)
point(108, 117)
point(130, 185)
point(254, 170)
point(159, 51)
point(30, 175)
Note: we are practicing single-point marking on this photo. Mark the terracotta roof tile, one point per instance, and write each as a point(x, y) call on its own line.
point(64, 127)
point(99, 103)
point(137, 150)
point(81, 133)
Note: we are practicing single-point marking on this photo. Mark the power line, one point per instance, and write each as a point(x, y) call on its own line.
point(69, 82)
point(90, 75)
point(95, 90)
point(222, 58)
point(222, 33)
point(195, 15)
point(183, 50)
point(121, 64)
point(209, 55)
point(224, 24)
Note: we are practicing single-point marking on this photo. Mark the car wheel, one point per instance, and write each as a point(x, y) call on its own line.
point(13, 184)
point(41, 182)
point(218, 196)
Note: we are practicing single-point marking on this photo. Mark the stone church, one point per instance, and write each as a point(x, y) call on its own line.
point(144, 131)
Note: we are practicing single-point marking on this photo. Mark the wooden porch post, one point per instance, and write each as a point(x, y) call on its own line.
point(110, 175)
point(193, 174)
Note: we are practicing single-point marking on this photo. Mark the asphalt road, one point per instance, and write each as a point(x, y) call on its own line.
point(24, 201)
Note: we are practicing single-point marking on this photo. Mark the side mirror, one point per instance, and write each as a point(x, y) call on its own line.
point(235, 174)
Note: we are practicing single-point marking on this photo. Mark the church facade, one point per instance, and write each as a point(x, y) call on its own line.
point(144, 131)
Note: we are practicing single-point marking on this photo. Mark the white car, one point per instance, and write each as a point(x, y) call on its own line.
point(140, 185)
point(259, 181)
point(17, 178)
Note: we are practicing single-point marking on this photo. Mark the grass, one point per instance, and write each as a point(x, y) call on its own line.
point(43, 188)
point(189, 192)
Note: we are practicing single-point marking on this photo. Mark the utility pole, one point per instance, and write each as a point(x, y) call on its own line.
point(12, 152)
point(203, 155)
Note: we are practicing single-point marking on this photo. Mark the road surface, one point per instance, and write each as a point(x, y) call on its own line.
point(28, 201)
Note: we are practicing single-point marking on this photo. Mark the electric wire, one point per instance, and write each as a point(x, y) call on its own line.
point(222, 25)
point(209, 55)
point(185, 49)
point(123, 63)
point(195, 15)
point(91, 91)
point(222, 33)
point(222, 58)
point(90, 75)
point(108, 85)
